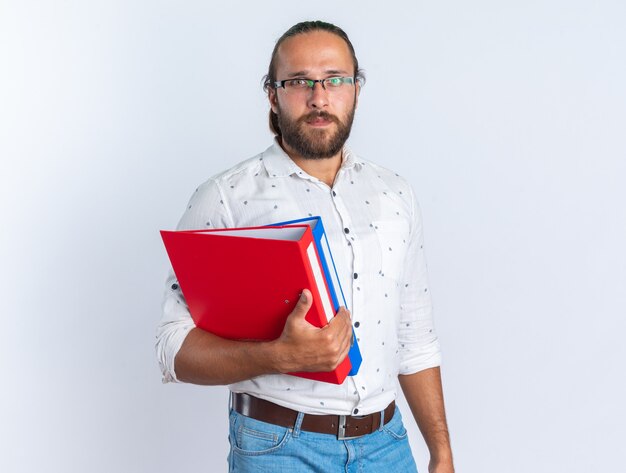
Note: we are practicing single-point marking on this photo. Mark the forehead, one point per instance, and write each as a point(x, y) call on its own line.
point(315, 52)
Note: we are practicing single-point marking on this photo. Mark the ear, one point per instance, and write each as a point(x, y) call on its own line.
point(273, 99)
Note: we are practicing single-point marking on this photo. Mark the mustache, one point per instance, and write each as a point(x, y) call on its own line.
point(319, 114)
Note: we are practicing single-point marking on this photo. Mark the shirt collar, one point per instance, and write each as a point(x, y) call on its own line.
point(278, 163)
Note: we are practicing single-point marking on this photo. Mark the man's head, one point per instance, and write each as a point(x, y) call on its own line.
point(313, 117)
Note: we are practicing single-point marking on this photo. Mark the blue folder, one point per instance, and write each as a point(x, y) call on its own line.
point(332, 278)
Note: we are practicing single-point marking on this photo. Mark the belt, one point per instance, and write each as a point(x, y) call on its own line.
point(344, 427)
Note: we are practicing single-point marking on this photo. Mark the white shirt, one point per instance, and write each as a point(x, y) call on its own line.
point(374, 229)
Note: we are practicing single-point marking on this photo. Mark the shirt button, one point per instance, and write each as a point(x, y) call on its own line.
point(357, 324)
point(334, 193)
point(356, 275)
point(346, 230)
point(356, 411)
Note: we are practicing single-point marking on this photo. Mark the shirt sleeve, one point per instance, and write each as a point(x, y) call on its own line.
point(206, 209)
point(418, 342)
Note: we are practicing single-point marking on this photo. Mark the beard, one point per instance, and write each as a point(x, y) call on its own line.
point(315, 143)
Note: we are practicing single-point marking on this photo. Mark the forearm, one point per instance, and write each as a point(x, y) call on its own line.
point(205, 358)
point(424, 394)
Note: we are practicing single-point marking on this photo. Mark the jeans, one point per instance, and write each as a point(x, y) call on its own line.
point(259, 447)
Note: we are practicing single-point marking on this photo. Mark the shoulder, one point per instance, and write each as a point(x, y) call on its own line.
point(242, 171)
point(240, 176)
point(209, 204)
point(387, 174)
point(389, 178)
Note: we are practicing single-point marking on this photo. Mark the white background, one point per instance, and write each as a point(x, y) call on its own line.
point(508, 117)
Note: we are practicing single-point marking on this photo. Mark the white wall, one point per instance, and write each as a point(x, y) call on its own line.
point(507, 117)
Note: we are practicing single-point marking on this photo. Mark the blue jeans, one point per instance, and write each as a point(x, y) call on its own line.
point(258, 447)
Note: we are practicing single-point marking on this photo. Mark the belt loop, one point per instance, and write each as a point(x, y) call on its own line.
point(382, 420)
point(298, 425)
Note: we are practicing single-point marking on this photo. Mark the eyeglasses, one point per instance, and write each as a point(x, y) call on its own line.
point(302, 85)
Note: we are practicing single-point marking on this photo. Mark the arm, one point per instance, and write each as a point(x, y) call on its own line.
point(186, 353)
point(420, 376)
point(205, 358)
point(424, 395)
point(189, 354)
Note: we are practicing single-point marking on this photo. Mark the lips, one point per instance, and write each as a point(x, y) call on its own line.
point(320, 119)
point(319, 122)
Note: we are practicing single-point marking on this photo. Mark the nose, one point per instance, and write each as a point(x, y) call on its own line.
point(318, 97)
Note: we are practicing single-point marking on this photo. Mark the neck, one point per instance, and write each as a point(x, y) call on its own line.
point(325, 169)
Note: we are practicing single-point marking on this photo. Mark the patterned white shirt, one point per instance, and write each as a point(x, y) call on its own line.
point(374, 228)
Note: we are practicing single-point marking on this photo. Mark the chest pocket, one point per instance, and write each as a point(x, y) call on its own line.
point(393, 240)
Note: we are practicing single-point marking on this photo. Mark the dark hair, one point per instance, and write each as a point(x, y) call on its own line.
point(302, 28)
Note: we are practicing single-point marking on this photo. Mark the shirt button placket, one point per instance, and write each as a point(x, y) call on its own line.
point(357, 293)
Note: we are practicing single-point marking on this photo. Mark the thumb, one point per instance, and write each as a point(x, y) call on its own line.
point(303, 305)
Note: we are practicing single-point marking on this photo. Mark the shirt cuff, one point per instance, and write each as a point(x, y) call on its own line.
point(170, 338)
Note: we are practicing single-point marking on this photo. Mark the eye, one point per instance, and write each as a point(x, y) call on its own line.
point(298, 83)
point(334, 81)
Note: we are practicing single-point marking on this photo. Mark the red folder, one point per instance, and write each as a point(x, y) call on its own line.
point(242, 283)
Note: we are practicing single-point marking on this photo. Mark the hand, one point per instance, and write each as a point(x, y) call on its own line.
point(304, 347)
point(440, 467)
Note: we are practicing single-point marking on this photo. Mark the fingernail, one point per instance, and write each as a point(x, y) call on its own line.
point(303, 297)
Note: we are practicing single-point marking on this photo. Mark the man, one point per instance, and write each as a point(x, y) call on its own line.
point(374, 229)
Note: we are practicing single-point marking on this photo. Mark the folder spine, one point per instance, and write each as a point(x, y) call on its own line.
point(321, 293)
point(331, 276)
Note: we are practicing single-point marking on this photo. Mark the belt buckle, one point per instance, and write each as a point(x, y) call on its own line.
point(341, 431)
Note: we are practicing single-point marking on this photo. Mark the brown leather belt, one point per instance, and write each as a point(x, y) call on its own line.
point(344, 427)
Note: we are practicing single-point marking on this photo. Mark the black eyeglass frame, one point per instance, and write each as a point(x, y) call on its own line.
point(311, 82)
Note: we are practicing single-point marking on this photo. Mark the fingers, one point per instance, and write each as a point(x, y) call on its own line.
point(343, 341)
point(303, 305)
point(344, 347)
point(309, 348)
point(342, 318)
point(343, 310)
point(341, 329)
